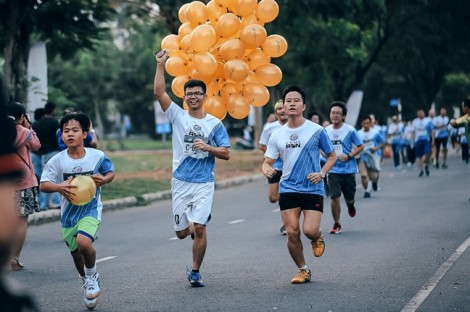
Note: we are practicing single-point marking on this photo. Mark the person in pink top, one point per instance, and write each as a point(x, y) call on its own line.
point(26, 188)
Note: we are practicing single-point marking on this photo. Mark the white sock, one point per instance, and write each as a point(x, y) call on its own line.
point(304, 267)
point(369, 186)
point(90, 272)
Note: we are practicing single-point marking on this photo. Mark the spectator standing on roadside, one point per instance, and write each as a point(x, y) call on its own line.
point(198, 138)
point(342, 177)
point(46, 129)
point(35, 156)
point(273, 183)
point(301, 190)
point(26, 195)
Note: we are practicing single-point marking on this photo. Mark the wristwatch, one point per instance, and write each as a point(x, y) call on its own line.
point(322, 174)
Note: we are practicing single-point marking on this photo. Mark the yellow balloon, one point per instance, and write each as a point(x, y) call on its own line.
point(205, 63)
point(197, 13)
point(215, 106)
point(274, 46)
point(170, 42)
point(230, 88)
point(228, 25)
point(177, 85)
point(245, 7)
point(85, 190)
point(214, 11)
point(256, 94)
point(267, 10)
point(203, 38)
point(253, 35)
point(237, 106)
point(269, 74)
point(256, 58)
point(182, 13)
point(236, 70)
point(177, 66)
point(232, 49)
point(185, 29)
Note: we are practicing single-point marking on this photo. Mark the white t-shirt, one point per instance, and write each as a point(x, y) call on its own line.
point(189, 164)
point(344, 139)
point(264, 139)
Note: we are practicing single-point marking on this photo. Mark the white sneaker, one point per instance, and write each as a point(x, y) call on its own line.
point(90, 304)
point(92, 286)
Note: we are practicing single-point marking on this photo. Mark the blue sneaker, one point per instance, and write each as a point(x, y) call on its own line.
point(195, 279)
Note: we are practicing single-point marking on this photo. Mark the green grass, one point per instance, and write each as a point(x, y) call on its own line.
point(140, 143)
point(133, 187)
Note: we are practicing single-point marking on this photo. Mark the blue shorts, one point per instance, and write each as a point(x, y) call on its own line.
point(422, 147)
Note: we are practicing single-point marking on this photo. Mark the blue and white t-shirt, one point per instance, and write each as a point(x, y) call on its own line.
point(300, 149)
point(60, 167)
point(441, 122)
point(344, 139)
point(264, 139)
point(189, 164)
point(370, 139)
point(422, 129)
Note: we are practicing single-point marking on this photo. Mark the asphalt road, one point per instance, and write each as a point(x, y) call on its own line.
point(406, 250)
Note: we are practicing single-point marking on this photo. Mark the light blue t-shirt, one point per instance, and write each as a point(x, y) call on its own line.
point(60, 167)
point(344, 139)
point(370, 139)
point(189, 164)
point(422, 129)
point(300, 149)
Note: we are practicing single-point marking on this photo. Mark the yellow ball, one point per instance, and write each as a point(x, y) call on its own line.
point(85, 190)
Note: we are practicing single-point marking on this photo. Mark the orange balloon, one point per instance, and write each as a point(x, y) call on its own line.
point(236, 70)
point(269, 74)
point(253, 35)
point(256, 94)
point(215, 106)
point(197, 13)
point(212, 88)
point(245, 7)
point(228, 25)
point(177, 85)
point(232, 49)
point(185, 29)
point(267, 10)
point(182, 13)
point(170, 42)
point(251, 19)
point(177, 66)
point(251, 78)
point(205, 63)
point(186, 43)
point(230, 88)
point(224, 3)
point(274, 46)
point(214, 11)
point(238, 107)
point(203, 38)
point(256, 58)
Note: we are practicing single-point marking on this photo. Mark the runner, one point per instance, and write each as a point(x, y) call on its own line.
point(421, 138)
point(440, 124)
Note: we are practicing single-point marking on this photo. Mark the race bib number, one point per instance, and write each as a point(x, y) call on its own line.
point(338, 147)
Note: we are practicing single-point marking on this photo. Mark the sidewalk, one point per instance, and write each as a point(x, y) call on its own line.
point(52, 215)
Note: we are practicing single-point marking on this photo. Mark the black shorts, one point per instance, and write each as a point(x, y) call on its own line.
point(275, 178)
point(438, 142)
point(342, 183)
point(304, 201)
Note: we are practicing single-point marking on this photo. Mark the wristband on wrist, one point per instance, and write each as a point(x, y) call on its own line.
point(349, 157)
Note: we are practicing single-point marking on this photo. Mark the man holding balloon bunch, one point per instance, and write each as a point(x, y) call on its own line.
point(198, 138)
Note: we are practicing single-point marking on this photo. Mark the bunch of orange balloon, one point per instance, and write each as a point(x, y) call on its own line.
point(225, 44)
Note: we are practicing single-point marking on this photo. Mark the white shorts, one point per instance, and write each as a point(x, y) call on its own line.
point(192, 203)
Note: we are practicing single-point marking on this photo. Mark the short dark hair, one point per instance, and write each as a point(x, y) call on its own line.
point(16, 110)
point(49, 107)
point(82, 119)
point(39, 113)
point(340, 105)
point(195, 83)
point(293, 89)
point(466, 103)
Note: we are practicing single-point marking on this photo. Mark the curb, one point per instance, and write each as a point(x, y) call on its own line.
point(52, 215)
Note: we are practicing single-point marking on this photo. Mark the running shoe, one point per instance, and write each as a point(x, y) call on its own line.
point(92, 286)
point(302, 276)
point(426, 169)
point(90, 304)
point(336, 229)
point(352, 211)
point(375, 186)
point(444, 166)
point(421, 173)
point(195, 279)
point(283, 230)
point(318, 246)
point(366, 195)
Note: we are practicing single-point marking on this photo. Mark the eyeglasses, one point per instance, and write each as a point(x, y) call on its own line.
point(336, 113)
point(197, 93)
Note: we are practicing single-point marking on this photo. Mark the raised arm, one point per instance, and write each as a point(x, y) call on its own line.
point(159, 88)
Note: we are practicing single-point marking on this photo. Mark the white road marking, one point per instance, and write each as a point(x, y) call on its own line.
point(276, 210)
point(105, 259)
point(424, 292)
point(173, 238)
point(236, 221)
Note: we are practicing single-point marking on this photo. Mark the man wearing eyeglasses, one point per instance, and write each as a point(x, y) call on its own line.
point(198, 138)
point(342, 177)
